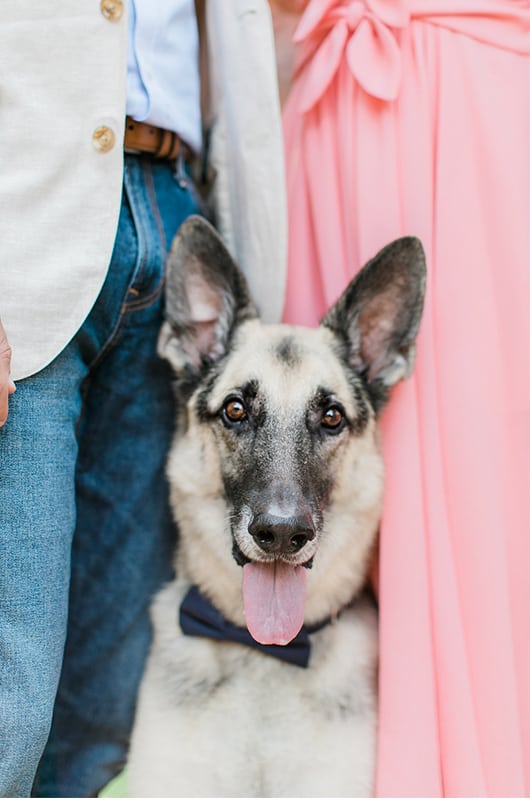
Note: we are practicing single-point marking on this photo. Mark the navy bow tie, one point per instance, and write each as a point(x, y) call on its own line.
point(198, 617)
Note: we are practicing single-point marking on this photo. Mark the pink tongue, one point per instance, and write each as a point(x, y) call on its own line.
point(274, 601)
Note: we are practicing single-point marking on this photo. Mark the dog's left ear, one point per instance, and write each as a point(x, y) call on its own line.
point(206, 298)
point(379, 314)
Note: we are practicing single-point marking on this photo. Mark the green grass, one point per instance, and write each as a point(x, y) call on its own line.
point(117, 787)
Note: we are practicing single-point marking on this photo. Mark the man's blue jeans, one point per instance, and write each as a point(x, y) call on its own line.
point(85, 531)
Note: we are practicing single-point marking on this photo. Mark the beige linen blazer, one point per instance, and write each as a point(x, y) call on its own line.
point(62, 110)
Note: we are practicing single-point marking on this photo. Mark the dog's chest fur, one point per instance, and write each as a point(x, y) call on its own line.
point(242, 714)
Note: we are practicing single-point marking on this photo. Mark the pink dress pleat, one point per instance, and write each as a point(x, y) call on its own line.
point(414, 118)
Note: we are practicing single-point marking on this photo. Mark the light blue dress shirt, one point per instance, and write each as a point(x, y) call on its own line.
point(163, 85)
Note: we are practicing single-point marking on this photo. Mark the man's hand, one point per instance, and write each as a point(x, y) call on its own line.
point(7, 386)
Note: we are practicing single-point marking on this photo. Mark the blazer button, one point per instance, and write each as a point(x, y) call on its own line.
point(112, 9)
point(103, 139)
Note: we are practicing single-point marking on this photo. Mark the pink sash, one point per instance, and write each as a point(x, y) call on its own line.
point(369, 31)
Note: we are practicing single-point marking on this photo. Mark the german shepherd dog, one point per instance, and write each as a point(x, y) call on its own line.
point(261, 680)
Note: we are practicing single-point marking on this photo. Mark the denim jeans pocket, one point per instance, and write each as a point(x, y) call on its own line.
point(159, 203)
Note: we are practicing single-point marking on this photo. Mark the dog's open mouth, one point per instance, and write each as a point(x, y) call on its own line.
point(274, 595)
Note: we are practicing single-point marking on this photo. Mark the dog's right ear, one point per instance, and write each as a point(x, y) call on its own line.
point(206, 299)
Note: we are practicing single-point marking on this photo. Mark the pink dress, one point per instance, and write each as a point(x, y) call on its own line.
point(414, 118)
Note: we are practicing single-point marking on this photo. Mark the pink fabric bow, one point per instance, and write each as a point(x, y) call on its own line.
point(366, 30)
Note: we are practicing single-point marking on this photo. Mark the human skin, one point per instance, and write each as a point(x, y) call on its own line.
point(285, 17)
point(7, 387)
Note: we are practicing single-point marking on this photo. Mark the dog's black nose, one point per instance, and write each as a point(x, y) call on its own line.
point(280, 534)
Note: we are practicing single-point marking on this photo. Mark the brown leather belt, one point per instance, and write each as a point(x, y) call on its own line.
point(141, 137)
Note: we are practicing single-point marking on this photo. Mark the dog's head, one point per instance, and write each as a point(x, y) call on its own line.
point(275, 466)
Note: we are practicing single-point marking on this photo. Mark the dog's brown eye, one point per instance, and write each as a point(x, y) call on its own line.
point(234, 411)
point(332, 418)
